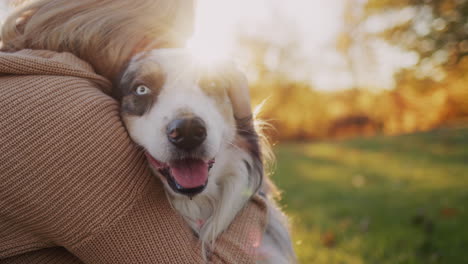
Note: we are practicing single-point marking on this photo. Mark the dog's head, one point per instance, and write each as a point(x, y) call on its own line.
point(180, 112)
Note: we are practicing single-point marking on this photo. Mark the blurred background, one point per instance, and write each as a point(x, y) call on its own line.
point(369, 104)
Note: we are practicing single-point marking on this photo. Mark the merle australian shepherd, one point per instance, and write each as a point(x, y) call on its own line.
point(209, 163)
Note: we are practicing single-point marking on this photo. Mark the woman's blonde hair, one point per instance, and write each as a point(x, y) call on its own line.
point(105, 33)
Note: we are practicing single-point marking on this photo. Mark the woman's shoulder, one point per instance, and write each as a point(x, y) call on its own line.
point(56, 88)
point(49, 63)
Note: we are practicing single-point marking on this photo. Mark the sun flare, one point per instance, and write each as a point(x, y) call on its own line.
point(214, 30)
point(207, 53)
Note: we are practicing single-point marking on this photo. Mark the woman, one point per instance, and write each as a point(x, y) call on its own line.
point(73, 187)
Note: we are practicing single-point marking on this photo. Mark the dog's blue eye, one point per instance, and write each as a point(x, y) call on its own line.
point(142, 90)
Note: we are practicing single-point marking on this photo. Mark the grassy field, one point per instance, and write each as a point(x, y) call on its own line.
point(383, 200)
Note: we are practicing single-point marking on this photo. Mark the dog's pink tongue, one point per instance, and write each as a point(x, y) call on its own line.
point(190, 173)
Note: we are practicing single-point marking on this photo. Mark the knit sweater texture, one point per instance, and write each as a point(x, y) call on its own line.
point(74, 188)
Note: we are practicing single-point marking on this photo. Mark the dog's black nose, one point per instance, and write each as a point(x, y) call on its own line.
point(186, 133)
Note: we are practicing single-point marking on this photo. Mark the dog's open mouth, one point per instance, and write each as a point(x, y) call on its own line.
point(186, 176)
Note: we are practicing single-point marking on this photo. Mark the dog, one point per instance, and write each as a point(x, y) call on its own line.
point(210, 163)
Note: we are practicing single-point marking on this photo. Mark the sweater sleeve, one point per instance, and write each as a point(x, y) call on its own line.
point(70, 176)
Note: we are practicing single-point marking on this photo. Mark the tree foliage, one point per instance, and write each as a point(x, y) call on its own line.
point(437, 27)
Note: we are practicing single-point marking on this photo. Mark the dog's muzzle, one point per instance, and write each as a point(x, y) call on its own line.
point(187, 176)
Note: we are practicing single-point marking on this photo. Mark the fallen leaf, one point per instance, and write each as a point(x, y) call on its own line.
point(328, 239)
point(449, 212)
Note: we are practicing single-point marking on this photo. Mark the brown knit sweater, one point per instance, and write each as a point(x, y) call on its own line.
point(75, 189)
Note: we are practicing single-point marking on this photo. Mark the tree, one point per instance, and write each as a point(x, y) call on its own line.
point(438, 30)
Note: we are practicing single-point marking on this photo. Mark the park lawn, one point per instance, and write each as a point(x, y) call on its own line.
point(382, 200)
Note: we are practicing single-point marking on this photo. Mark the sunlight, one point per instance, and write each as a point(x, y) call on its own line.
point(217, 23)
point(313, 23)
point(214, 30)
point(309, 28)
point(206, 51)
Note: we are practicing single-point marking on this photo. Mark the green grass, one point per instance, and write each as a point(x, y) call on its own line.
point(382, 200)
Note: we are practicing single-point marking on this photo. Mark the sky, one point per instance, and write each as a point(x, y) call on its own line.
point(317, 24)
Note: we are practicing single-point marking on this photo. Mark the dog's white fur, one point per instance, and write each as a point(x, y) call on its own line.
point(231, 182)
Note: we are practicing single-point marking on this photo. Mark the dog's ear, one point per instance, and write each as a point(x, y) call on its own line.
point(247, 137)
point(122, 81)
point(239, 92)
point(237, 77)
point(240, 98)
